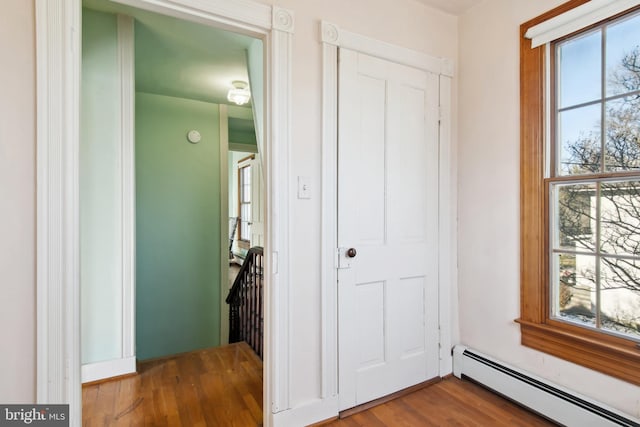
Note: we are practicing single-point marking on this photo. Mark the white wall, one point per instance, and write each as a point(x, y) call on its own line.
point(17, 202)
point(488, 199)
point(100, 191)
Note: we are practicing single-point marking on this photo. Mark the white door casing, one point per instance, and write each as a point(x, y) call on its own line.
point(387, 212)
point(58, 80)
point(333, 38)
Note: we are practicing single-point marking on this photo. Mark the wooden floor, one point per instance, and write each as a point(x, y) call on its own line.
point(223, 387)
point(451, 402)
point(215, 387)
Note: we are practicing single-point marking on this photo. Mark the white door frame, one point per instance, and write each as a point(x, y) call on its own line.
point(334, 37)
point(58, 41)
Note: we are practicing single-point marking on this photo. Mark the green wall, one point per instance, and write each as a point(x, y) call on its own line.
point(100, 191)
point(177, 226)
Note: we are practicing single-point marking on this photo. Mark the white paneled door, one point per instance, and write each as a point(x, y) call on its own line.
point(387, 227)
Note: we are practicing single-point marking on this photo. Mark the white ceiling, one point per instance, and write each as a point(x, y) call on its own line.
point(180, 58)
point(455, 7)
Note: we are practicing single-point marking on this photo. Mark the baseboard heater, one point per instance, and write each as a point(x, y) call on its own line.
point(552, 401)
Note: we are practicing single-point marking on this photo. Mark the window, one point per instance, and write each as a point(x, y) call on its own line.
point(244, 199)
point(580, 194)
point(594, 190)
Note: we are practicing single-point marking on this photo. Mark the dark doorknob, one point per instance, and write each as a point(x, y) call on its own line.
point(351, 252)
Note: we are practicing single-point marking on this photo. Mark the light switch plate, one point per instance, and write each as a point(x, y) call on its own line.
point(304, 187)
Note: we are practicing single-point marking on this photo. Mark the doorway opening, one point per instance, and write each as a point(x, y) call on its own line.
point(178, 75)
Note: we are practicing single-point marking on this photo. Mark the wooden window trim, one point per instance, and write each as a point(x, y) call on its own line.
point(596, 350)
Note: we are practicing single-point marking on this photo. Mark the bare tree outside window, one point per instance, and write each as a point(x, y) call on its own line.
point(596, 255)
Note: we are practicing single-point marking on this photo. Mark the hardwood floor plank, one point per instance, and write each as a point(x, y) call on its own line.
point(107, 392)
point(494, 406)
point(467, 411)
point(169, 406)
point(212, 388)
point(392, 413)
point(364, 419)
point(255, 408)
point(88, 405)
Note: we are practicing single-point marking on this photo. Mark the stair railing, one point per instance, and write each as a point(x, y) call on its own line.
point(245, 299)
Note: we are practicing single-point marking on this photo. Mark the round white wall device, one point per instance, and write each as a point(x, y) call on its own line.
point(194, 136)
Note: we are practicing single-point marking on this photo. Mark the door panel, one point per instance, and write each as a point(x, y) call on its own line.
point(370, 323)
point(387, 211)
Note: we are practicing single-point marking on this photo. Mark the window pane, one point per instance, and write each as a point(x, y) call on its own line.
point(623, 133)
point(245, 212)
point(575, 211)
point(574, 288)
point(623, 56)
point(620, 218)
point(620, 296)
point(579, 70)
point(579, 140)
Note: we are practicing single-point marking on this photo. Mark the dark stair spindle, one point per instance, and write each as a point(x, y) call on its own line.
point(245, 301)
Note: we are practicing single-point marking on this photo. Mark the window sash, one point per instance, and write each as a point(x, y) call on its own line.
point(612, 266)
point(602, 102)
point(589, 264)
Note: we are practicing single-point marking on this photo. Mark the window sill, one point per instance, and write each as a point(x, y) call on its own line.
point(604, 353)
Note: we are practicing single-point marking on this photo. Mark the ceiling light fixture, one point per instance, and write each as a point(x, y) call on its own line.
point(240, 93)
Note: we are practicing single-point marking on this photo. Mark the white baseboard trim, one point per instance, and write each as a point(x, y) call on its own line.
point(108, 369)
point(309, 413)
